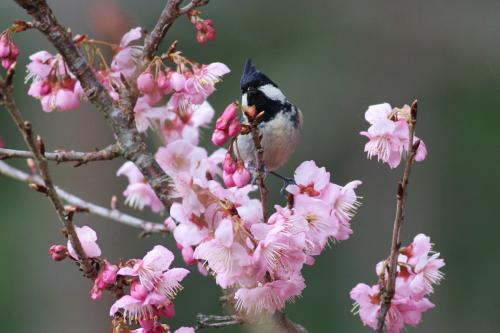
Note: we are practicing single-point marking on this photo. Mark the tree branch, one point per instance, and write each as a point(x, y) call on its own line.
point(120, 116)
point(37, 148)
point(214, 321)
point(389, 288)
point(81, 204)
point(59, 156)
point(259, 161)
point(167, 17)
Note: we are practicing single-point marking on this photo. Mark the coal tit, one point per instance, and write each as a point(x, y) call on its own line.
point(282, 124)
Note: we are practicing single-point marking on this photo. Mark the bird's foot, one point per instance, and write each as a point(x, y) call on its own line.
point(257, 172)
point(286, 181)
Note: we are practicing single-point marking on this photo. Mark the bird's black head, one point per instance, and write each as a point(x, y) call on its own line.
point(252, 78)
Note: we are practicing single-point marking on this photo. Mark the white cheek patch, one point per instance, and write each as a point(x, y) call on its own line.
point(273, 93)
point(244, 100)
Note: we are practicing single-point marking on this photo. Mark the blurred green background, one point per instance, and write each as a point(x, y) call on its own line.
point(333, 59)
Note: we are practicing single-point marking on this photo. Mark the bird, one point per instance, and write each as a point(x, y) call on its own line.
point(281, 126)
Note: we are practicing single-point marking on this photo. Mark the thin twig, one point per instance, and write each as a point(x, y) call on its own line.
point(59, 156)
point(215, 321)
point(119, 115)
point(83, 205)
point(389, 288)
point(167, 17)
point(37, 148)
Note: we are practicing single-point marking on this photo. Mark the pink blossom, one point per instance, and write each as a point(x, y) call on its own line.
point(206, 30)
point(202, 83)
point(125, 60)
point(367, 303)
point(389, 134)
point(309, 179)
point(154, 272)
point(138, 193)
point(268, 297)
point(227, 126)
point(223, 255)
point(88, 238)
point(180, 156)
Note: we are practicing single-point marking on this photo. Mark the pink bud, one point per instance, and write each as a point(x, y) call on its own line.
point(219, 138)
point(109, 273)
point(201, 38)
point(14, 51)
point(234, 128)
point(167, 311)
point(66, 100)
point(222, 124)
point(231, 112)
point(230, 164)
point(177, 81)
point(210, 33)
point(242, 176)
point(146, 83)
point(58, 252)
point(4, 46)
point(7, 62)
point(228, 179)
point(163, 82)
point(199, 25)
point(138, 291)
point(209, 22)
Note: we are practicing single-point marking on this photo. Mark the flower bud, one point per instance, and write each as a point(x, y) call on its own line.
point(138, 291)
point(219, 138)
point(58, 252)
point(242, 176)
point(234, 128)
point(228, 179)
point(146, 83)
point(229, 165)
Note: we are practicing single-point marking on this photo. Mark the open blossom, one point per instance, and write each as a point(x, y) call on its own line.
point(389, 134)
point(268, 297)
point(139, 193)
point(418, 270)
point(53, 83)
point(126, 57)
point(155, 274)
point(8, 50)
point(88, 238)
point(202, 83)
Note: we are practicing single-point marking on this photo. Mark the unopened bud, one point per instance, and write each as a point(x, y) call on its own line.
point(58, 252)
point(40, 145)
point(114, 202)
point(31, 165)
point(38, 188)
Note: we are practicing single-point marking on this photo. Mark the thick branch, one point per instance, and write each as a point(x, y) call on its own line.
point(278, 323)
point(59, 156)
point(37, 149)
point(81, 204)
point(120, 117)
point(214, 321)
point(389, 289)
point(167, 17)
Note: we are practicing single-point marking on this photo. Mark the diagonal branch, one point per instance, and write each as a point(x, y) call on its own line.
point(81, 204)
point(120, 116)
point(37, 148)
point(389, 288)
point(167, 17)
point(108, 153)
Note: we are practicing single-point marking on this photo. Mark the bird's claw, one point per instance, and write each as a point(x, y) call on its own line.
point(286, 181)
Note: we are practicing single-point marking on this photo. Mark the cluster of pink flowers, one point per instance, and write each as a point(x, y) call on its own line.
point(154, 286)
point(418, 270)
point(204, 27)
point(8, 50)
point(234, 173)
point(53, 84)
point(389, 134)
point(227, 125)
